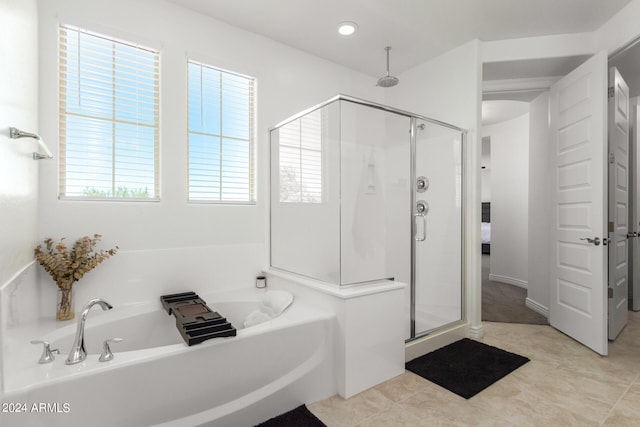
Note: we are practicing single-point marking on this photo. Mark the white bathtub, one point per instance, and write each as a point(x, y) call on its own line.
point(156, 379)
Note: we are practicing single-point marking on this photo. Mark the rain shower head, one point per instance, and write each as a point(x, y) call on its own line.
point(387, 81)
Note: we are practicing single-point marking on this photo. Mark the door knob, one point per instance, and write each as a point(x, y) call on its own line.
point(595, 240)
point(632, 234)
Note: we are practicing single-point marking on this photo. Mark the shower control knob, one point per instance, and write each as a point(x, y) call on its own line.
point(422, 184)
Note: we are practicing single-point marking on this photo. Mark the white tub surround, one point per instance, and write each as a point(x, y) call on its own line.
point(370, 320)
point(265, 370)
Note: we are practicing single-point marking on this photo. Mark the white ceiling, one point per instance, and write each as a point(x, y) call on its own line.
point(416, 29)
point(500, 110)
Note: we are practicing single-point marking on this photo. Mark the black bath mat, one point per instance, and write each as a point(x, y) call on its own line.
point(466, 367)
point(299, 417)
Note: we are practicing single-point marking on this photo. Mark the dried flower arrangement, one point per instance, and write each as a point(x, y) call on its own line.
point(68, 266)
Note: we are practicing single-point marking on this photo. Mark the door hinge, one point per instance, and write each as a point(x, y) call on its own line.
point(611, 92)
point(611, 227)
point(610, 292)
point(612, 158)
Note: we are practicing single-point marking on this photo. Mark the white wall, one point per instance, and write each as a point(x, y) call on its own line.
point(448, 88)
point(18, 171)
point(509, 199)
point(621, 29)
point(486, 186)
point(18, 108)
point(539, 214)
point(553, 46)
point(162, 235)
point(485, 189)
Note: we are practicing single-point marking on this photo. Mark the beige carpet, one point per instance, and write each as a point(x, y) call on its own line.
point(502, 302)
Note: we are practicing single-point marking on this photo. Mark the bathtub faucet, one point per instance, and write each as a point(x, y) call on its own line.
point(78, 353)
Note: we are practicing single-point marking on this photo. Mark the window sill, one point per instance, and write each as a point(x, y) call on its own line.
point(108, 199)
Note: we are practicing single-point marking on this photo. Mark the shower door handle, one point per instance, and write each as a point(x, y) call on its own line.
point(418, 237)
point(422, 208)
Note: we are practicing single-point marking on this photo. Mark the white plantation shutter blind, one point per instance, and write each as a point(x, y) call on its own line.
point(221, 135)
point(109, 115)
point(301, 159)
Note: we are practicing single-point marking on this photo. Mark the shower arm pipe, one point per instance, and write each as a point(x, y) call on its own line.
point(15, 133)
point(388, 48)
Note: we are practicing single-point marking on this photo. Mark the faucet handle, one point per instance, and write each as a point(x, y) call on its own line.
point(47, 354)
point(106, 351)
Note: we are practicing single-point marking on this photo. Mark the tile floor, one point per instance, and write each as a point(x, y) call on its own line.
point(564, 384)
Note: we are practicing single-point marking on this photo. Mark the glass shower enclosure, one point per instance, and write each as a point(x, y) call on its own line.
point(361, 192)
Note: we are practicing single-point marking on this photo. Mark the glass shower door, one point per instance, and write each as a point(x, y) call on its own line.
point(437, 227)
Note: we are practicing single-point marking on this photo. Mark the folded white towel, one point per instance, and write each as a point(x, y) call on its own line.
point(255, 318)
point(275, 302)
point(272, 305)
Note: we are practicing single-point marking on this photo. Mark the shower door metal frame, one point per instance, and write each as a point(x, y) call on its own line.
point(412, 142)
point(412, 201)
point(413, 173)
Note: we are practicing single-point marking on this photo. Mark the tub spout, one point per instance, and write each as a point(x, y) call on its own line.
point(78, 352)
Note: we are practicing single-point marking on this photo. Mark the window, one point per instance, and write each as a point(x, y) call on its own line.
point(109, 110)
point(221, 135)
point(301, 159)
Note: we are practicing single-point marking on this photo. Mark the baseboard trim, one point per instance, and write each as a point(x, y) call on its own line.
point(509, 280)
point(538, 308)
point(476, 332)
point(432, 342)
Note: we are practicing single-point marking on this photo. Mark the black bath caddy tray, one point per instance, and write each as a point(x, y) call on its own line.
point(194, 320)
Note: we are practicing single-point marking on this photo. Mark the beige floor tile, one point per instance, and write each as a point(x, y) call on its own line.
point(532, 409)
point(340, 412)
point(575, 385)
point(541, 343)
point(564, 384)
point(621, 366)
point(394, 417)
point(440, 407)
point(626, 412)
point(623, 418)
point(402, 386)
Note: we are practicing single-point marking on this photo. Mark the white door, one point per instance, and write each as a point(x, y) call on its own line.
point(618, 130)
point(634, 218)
point(578, 273)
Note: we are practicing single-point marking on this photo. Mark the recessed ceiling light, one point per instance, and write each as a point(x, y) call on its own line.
point(347, 28)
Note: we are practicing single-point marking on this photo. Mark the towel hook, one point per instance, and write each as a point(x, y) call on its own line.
point(15, 133)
